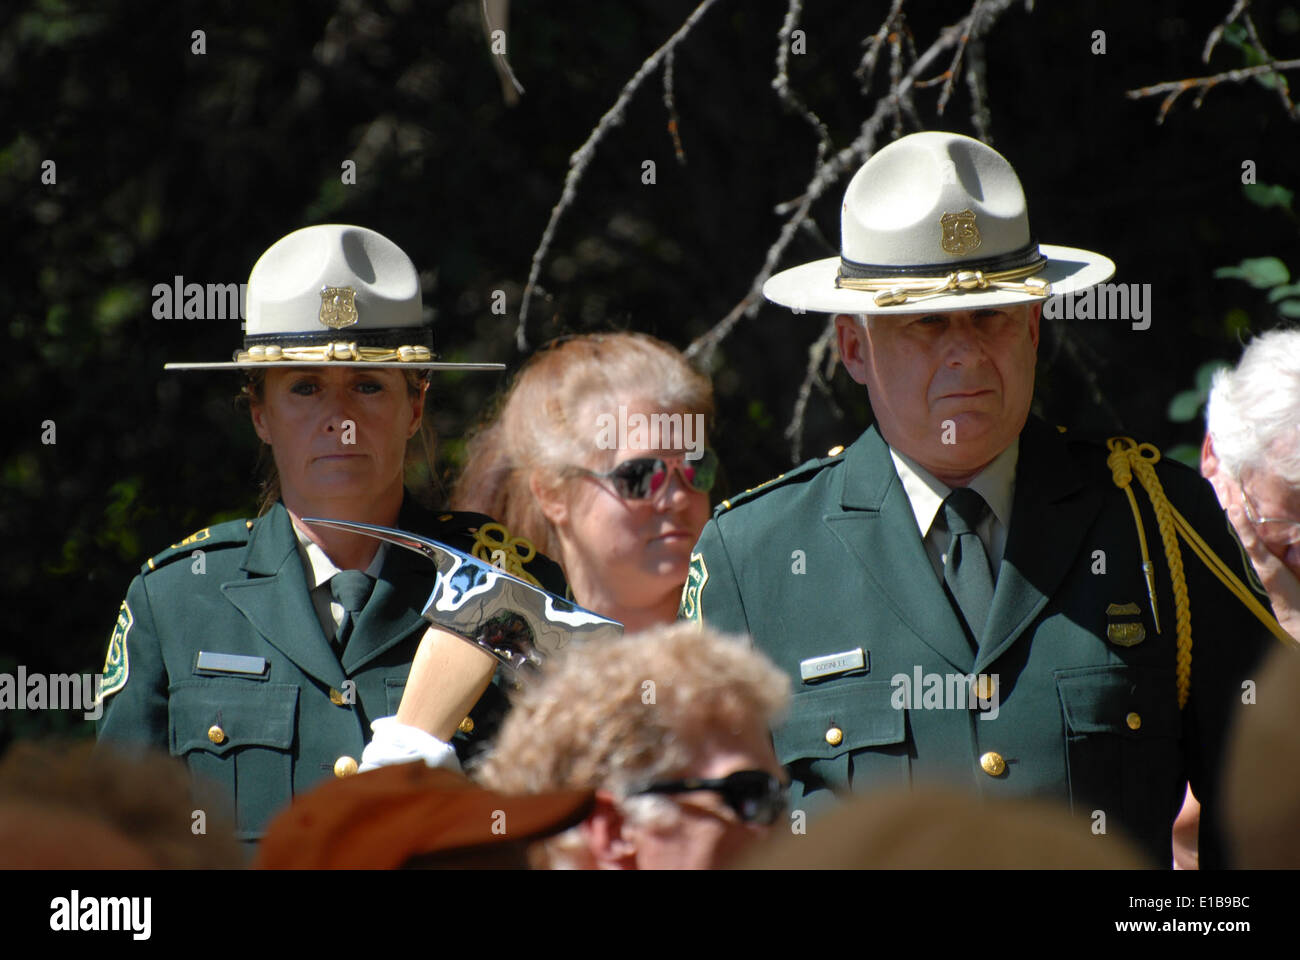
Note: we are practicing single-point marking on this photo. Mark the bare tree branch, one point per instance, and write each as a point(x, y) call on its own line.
point(813, 376)
point(582, 158)
point(1175, 88)
point(829, 172)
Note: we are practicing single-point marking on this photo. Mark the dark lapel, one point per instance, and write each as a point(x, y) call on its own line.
point(875, 521)
point(275, 599)
point(393, 612)
point(1053, 510)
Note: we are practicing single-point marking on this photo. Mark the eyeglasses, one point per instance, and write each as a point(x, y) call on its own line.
point(643, 477)
point(755, 796)
point(1283, 531)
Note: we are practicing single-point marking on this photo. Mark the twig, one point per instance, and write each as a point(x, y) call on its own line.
point(867, 68)
point(977, 83)
point(582, 157)
point(781, 81)
point(812, 377)
point(1217, 32)
point(955, 66)
point(670, 103)
point(1175, 88)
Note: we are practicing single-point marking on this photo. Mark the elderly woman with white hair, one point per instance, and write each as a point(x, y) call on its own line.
point(1251, 455)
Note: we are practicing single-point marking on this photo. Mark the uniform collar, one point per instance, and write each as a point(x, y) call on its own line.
point(319, 568)
point(996, 483)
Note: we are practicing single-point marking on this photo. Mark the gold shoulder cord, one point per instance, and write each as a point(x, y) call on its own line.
point(1128, 457)
point(493, 544)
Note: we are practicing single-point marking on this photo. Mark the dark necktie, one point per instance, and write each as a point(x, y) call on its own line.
point(967, 570)
point(351, 589)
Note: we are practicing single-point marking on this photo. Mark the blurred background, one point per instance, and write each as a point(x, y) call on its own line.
point(170, 162)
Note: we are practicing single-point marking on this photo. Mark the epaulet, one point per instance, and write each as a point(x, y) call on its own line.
point(230, 534)
point(833, 456)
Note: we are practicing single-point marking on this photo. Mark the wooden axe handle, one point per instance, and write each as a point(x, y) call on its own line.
point(448, 675)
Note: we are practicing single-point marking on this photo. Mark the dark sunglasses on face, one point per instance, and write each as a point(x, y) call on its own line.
point(643, 477)
point(755, 795)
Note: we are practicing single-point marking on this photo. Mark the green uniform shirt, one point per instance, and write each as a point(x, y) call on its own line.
point(279, 709)
point(828, 561)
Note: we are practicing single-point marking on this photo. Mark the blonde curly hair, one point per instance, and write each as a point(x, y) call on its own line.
point(622, 714)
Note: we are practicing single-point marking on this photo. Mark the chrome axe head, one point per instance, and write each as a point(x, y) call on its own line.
point(517, 623)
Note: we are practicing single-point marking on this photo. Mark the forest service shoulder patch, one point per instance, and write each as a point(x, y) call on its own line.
point(116, 666)
point(696, 577)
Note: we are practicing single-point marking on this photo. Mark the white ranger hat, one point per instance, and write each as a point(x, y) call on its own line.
point(935, 222)
point(335, 295)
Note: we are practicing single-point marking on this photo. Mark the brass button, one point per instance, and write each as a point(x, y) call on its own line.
point(984, 687)
point(1133, 720)
point(835, 451)
point(216, 734)
point(993, 764)
point(336, 698)
point(344, 767)
point(466, 725)
point(834, 736)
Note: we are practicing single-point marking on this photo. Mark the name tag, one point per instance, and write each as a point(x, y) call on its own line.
point(229, 663)
point(819, 668)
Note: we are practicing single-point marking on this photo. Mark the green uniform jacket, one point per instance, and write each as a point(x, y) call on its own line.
point(828, 559)
point(254, 739)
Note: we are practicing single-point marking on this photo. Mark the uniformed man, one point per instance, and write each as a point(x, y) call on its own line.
point(967, 594)
point(261, 650)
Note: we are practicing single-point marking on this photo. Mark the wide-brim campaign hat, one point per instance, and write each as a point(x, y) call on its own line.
point(335, 295)
point(935, 222)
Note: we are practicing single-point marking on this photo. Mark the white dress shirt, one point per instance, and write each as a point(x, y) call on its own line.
point(996, 483)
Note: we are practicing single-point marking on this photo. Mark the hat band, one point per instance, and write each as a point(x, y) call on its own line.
point(324, 353)
point(1020, 257)
point(370, 345)
point(894, 285)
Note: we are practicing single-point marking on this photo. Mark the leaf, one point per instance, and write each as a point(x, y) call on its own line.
point(1268, 195)
point(1280, 293)
point(1205, 373)
point(1289, 308)
point(1185, 453)
point(1259, 272)
point(1185, 405)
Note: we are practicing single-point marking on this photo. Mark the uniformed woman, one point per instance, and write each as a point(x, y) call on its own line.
point(262, 650)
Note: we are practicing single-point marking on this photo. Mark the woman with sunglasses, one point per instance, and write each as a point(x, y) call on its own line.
point(597, 456)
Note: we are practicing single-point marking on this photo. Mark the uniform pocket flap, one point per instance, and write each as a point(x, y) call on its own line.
point(837, 717)
point(1117, 698)
point(223, 715)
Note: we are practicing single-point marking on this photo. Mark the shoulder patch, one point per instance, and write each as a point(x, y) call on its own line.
point(803, 470)
point(116, 665)
point(232, 533)
point(697, 575)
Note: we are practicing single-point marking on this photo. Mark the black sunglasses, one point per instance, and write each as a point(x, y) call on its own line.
point(756, 796)
point(643, 477)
